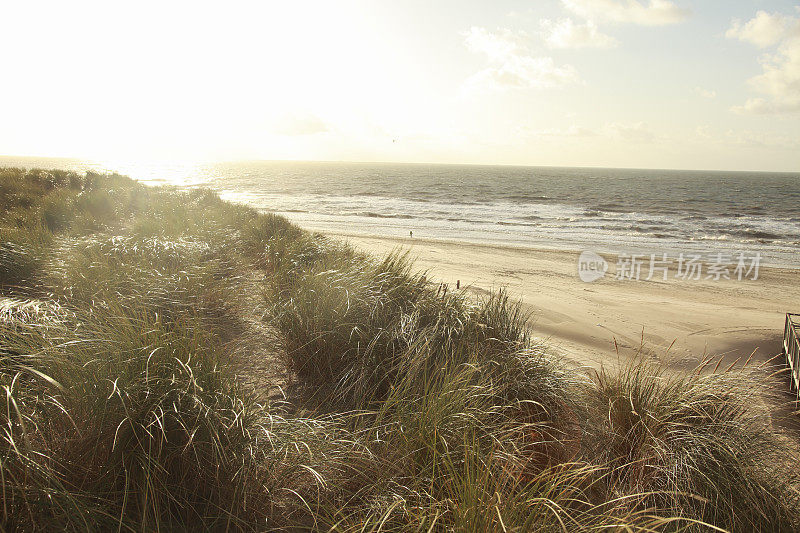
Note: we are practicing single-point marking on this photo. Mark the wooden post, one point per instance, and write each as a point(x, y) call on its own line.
point(791, 349)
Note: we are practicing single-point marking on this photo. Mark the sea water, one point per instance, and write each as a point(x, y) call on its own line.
point(605, 210)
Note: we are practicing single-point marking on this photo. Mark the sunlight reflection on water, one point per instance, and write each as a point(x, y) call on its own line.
point(180, 174)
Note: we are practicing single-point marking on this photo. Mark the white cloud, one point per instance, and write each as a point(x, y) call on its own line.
point(703, 132)
point(636, 132)
point(653, 13)
point(779, 80)
point(567, 34)
point(763, 106)
point(573, 131)
point(706, 93)
point(524, 73)
point(300, 124)
point(512, 65)
point(744, 138)
point(761, 139)
point(765, 29)
point(633, 132)
point(497, 45)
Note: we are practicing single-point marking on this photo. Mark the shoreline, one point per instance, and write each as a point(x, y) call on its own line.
point(771, 258)
point(498, 245)
point(679, 322)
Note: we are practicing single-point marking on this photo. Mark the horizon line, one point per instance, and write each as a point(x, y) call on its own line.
point(381, 162)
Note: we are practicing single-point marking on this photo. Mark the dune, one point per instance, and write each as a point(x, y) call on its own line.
point(678, 321)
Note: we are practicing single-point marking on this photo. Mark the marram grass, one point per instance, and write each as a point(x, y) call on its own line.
point(123, 313)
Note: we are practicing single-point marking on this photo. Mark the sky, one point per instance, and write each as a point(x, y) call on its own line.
point(711, 84)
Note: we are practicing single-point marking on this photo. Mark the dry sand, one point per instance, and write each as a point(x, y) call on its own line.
point(593, 323)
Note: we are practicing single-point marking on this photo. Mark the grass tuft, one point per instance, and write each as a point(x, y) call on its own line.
point(700, 445)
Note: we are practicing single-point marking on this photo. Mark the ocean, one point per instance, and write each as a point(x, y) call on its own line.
point(598, 209)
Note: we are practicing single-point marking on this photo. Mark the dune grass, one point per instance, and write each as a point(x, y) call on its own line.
point(698, 443)
point(409, 408)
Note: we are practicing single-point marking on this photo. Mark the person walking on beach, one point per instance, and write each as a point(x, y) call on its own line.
point(411, 234)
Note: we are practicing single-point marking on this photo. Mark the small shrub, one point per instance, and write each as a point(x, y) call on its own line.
point(18, 265)
point(57, 211)
point(97, 204)
point(136, 416)
point(169, 277)
point(22, 254)
point(265, 228)
point(700, 446)
point(349, 321)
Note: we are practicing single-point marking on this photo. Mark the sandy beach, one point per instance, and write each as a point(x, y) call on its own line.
point(678, 321)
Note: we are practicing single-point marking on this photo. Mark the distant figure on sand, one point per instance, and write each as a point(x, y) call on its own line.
point(411, 234)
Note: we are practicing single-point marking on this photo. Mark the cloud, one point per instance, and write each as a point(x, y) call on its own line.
point(302, 124)
point(498, 45)
point(765, 29)
point(760, 139)
point(779, 81)
point(653, 13)
point(762, 106)
point(567, 34)
point(706, 93)
point(573, 131)
point(703, 132)
point(524, 73)
point(744, 138)
point(511, 64)
point(636, 132)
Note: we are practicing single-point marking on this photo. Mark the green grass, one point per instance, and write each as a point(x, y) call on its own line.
point(702, 444)
point(128, 402)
